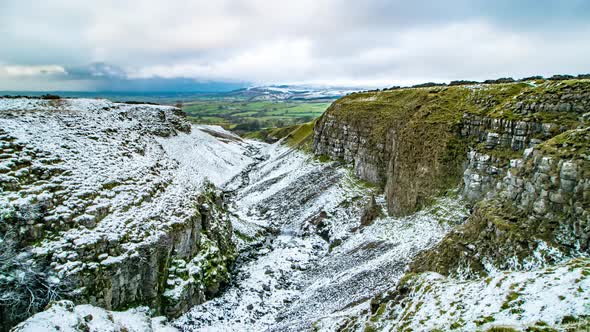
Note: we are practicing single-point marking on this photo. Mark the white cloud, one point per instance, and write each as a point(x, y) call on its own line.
point(468, 50)
point(268, 41)
point(16, 70)
point(272, 62)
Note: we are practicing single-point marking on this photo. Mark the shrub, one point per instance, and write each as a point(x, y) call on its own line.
point(428, 85)
point(50, 96)
point(531, 78)
point(26, 286)
point(462, 82)
point(500, 80)
point(395, 87)
point(561, 77)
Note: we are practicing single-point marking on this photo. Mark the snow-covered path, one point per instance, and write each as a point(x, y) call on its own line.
point(304, 255)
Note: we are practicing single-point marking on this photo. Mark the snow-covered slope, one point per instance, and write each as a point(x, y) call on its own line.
point(555, 298)
point(318, 260)
point(64, 316)
point(103, 195)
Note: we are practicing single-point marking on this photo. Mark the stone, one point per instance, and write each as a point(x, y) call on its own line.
point(492, 140)
point(556, 198)
point(568, 171)
point(567, 185)
point(540, 207)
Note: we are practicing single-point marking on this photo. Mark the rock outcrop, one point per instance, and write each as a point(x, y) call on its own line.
point(114, 202)
point(539, 212)
point(398, 140)
point(414, 141)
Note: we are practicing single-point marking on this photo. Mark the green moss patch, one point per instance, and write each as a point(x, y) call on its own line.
point(572, 144)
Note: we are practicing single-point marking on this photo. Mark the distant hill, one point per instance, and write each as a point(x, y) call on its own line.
point(260, 93)
point(291, 92)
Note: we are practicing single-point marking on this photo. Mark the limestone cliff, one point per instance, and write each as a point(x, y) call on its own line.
point(538, 213)
point(415, 141)
point(519, 155)
point(111, 204)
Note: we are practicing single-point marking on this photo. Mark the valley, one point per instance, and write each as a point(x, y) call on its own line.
point(415, 209)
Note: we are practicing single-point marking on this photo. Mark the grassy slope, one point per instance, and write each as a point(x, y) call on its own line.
point(425, 122)
point(296, 136)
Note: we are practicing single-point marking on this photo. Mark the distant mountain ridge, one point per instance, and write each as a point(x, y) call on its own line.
point(271, 93)
point(291, 92)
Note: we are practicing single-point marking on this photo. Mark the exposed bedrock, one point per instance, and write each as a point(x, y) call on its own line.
point(415, 142)
point(106, 205)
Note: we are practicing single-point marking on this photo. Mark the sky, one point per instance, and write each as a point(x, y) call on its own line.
point(192, 45)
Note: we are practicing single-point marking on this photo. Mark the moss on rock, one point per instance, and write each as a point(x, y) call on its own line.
point(409, 140)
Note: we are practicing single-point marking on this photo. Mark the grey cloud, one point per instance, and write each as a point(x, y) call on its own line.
point(304, 40)
point(96, 71)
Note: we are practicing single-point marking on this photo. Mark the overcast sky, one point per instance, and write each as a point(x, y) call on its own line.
point(97, 45)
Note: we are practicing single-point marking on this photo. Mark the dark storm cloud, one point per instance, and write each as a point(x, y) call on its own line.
point(318, 41)
point(105, 77)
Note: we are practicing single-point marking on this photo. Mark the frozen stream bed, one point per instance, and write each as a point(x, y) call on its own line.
point(304, 254)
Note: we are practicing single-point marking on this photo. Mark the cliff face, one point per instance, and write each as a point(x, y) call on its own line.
point(519, 155)
point(414, 142)
point(112, 205)
point(537, 214)
point(403, 140)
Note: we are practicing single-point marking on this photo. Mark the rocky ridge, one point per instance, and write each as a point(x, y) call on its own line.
point(115, 201)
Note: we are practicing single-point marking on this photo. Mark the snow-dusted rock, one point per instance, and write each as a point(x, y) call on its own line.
point(65, 316)
point(108, 194)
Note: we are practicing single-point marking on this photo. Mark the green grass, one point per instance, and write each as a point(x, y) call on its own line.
point(249, 116)
point(296, 136)
point(574, 144)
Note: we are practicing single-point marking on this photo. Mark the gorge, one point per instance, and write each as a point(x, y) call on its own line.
point(411, 209)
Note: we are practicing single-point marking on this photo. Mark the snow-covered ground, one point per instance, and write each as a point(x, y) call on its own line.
point(556, 297)
point(107, 172)
point(64, 316)
point(316, 260)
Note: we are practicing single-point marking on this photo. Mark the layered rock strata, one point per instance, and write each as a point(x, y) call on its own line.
point(113, 205)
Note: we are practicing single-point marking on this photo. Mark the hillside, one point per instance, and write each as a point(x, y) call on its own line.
point(103, 198)
point(518, 154)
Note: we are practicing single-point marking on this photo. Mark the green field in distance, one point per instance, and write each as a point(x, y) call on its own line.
point(247, 116)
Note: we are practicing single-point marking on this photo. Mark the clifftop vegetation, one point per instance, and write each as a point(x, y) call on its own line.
point(415, 133)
